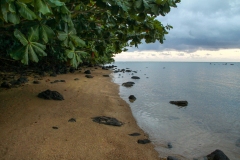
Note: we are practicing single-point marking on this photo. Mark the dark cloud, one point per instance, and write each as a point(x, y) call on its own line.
point(200, 25)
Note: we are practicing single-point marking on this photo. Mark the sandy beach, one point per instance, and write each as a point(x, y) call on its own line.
point(27, 121)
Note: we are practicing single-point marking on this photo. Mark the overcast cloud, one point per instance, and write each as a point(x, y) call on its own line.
point(200, 25)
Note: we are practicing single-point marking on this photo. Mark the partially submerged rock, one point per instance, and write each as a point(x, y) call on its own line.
point(132, 97)
point(143, 141)
point(171, 158)
point(217, 155)
point(128, 84)
point(179, 103)
point(48, 94)
point(135, 77)
point(134, 134)
point(238, 143)
point(107, 121)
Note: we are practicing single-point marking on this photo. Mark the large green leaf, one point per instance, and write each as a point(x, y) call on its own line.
point(55, 3)
point(32, 54)
point(31, 49)
point(41, 6)
point(62, 35)
point(13, 18)
point(4, 10)
point(45, 33)
point(77, 41)
point(33, 35)
point(20, 37)
point(25, 11)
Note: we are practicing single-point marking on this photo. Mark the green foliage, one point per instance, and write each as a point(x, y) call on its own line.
point(76, 31)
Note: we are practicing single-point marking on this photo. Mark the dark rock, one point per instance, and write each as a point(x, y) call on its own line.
point(76, 79)
point(62, 81)
point(107, 121)
point(36, 82)
point(135, 77)
point(89, 76)
point(53, 74)
point(105, 75)
point(72, 120)
point(128, 84)
point(54, 127)
point(238, 143)
point(179, 103)
point(87, 72)
point(71, 69)
point(22, 80)
point(56, 81)
point(134, 134)
point(217, 155)
point(128, 70)
point(143, 141)
point(50, 95)
point(171, 158)
point(6, 85)
point(132, 97)
point(169, 145)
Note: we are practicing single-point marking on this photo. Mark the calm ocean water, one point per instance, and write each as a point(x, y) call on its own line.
point(210, 121)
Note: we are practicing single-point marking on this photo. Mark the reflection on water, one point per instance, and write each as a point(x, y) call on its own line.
point(210, 121)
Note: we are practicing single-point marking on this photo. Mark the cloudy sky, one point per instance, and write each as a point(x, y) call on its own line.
point(206, 30)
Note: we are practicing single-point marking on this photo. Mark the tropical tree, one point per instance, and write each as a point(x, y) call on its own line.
point(78, 30)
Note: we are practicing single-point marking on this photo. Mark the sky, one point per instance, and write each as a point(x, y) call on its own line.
point(203, 31)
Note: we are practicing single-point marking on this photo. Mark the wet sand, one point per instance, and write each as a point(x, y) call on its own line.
point(26, 121)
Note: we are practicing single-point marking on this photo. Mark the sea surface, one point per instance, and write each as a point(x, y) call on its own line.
point(210, 121)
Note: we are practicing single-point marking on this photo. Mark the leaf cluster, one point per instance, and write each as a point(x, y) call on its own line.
point(75, 31)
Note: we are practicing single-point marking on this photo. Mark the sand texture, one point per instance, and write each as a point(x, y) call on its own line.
point(26, 121)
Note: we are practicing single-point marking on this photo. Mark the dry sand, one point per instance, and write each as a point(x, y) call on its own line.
point(26, 122)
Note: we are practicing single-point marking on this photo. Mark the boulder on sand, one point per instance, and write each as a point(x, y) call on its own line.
point(48, 94)
point(107, 121)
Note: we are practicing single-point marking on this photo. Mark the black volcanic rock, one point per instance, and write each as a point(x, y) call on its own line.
point(143, 141)
point(107, 121)
point(217, 155)
point(48, 94)
point(87, 72)
point(179, 103)
point(128, 84)
point(135, 77)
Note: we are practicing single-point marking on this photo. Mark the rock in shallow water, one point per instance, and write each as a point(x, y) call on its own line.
point(135, 77)
point(217, 155)
point(128, 84)
point(143, 141)
point(171, 158)
point(179, 103)
point(134, 134)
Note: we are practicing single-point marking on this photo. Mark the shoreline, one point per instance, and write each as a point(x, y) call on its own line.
point(26, 121)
